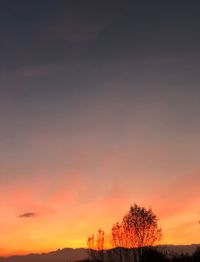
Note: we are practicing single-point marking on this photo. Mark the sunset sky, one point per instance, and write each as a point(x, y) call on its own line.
point(99, 109)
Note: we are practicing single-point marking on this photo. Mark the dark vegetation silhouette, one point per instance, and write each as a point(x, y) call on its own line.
point(128, 239)
point(135, 239)
point(150, 254)
point(153, 255)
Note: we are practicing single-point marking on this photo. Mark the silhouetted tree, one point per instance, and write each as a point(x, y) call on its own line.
point(128, 239)
point(96, 245)
point(138, 229)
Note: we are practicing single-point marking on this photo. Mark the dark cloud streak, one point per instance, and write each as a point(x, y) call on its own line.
point(28, 215)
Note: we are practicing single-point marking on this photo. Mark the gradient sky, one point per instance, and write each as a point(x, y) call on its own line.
point(99, 108)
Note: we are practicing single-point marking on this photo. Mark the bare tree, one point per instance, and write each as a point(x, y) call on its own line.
point(96, 245)
point(138, 230)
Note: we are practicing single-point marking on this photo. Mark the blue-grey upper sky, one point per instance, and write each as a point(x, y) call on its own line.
point(83, 70)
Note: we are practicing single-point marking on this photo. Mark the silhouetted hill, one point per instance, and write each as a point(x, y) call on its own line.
point(71, 255)
point(63, 255)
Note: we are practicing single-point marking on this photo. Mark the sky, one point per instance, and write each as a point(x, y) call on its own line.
point(99, 109)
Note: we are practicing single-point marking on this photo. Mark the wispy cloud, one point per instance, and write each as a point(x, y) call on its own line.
point(27, 215)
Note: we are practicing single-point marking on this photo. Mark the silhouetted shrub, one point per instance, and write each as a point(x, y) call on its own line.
point(153, 255)
point(181, 258)
point(196, 255)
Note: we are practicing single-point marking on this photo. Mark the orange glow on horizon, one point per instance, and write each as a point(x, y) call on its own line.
point(65, 219)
